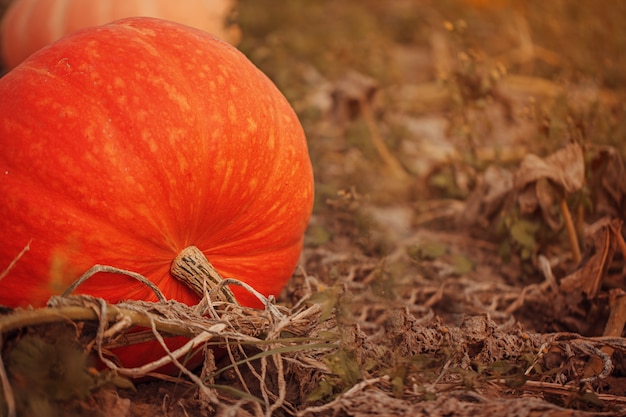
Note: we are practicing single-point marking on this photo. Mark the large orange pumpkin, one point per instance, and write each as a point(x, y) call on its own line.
point(123, 144)
point(29, 25)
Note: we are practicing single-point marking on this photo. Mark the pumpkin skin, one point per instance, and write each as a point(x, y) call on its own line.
point(123, 144)
point(29, 25)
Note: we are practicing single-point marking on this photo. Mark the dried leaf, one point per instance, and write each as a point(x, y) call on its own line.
point(348, 94)
point(588, 278)
point(565, 168)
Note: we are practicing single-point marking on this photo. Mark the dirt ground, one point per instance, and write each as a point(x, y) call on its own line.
point(465, 255)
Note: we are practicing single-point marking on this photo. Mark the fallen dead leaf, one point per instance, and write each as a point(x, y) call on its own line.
point(565, 168)
point(588, 278)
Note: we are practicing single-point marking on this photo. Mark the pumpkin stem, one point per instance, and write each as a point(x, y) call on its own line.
point(194, 270)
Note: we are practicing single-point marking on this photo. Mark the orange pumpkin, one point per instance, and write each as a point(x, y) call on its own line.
point(29, 25)
point(123, 144)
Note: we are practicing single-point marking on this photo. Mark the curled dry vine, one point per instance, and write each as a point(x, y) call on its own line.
point(210, 323)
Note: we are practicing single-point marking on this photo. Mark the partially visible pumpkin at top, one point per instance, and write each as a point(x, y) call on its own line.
point(124, 144)
point(29, 25)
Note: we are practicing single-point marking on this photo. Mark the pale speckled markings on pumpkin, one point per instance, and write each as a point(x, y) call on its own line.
point(194, 269)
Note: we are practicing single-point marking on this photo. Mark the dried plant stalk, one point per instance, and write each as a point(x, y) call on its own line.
point(571, 232)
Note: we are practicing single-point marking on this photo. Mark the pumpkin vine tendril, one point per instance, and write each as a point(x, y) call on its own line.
point(110, 269)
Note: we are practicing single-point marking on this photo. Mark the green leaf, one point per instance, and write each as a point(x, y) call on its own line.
point(323, 390)
point(591, 397)
point(523, 232)
point(428, 250)
point(343, 364)
point(501, 367)
point(397, 386)
point(122, 382)
point(516, 381)
point(327, 300)
point(317, 235)
point(461, 264)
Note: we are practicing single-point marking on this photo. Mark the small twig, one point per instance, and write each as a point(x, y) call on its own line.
point(437, 296)
point(444, 371)
point(124, 323)
point(262, 378)
point(521, 298)
point(541, 352)
point(235, 366)
point(617, 232)
point(546, 269)
point(247, 287)
point(552, 388)
point(591, 283)
point(282, 386)
point(171, 357)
